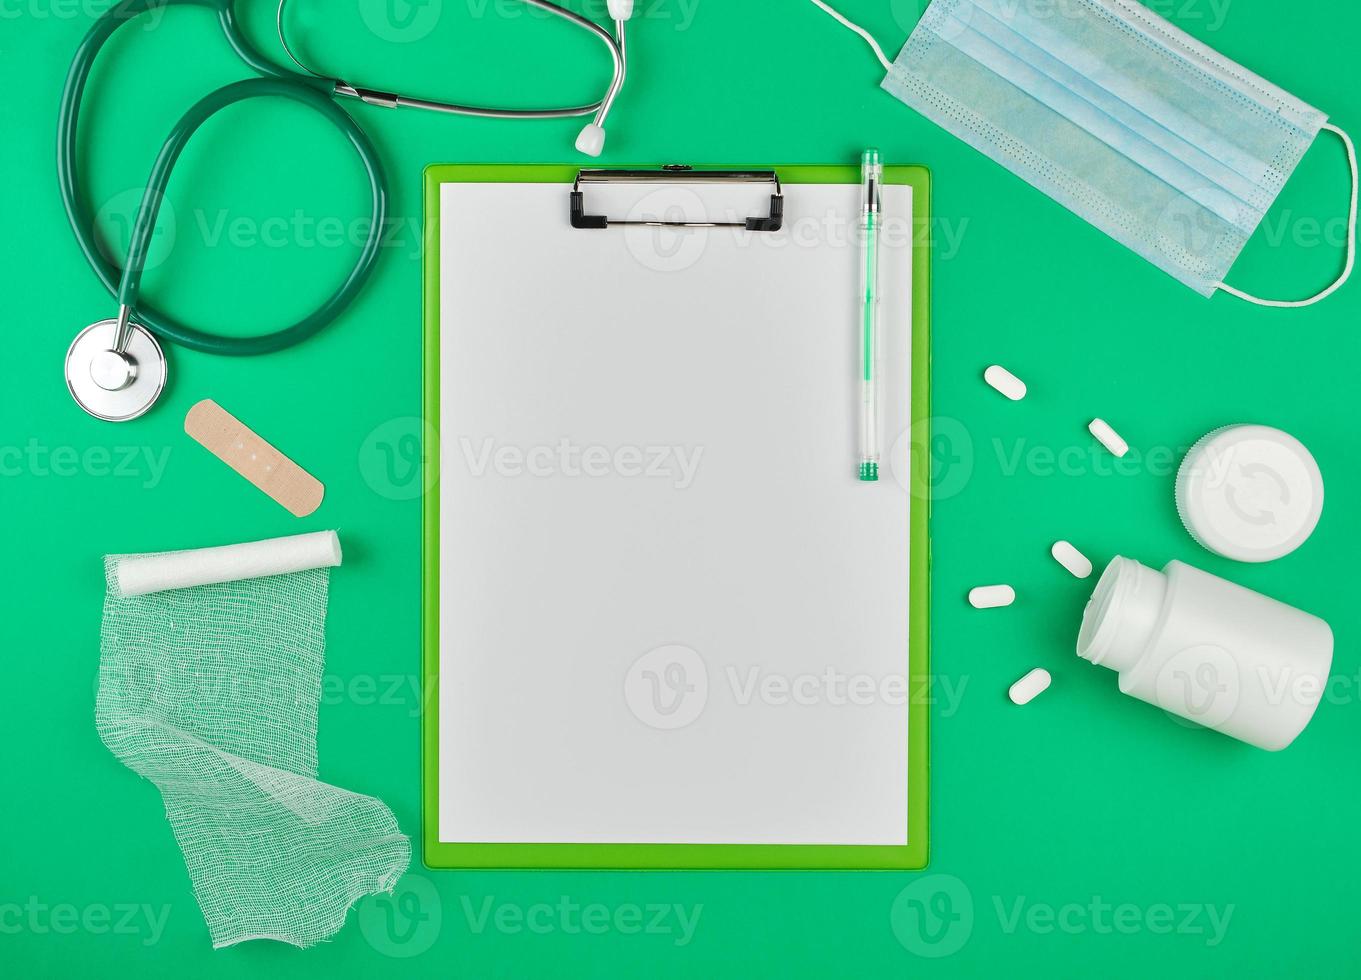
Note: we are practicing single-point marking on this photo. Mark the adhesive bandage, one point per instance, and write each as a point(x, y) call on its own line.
point(1005, 382)
point(227, 438)
point(992, 596)
point(1108, 437)
point(1072, 559)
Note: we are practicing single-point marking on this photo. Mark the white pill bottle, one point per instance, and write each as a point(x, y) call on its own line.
point(1212, 652)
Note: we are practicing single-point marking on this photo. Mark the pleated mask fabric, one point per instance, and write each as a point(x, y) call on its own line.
point(1161, 142)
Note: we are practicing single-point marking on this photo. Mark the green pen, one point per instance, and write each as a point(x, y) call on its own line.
point(871, 216)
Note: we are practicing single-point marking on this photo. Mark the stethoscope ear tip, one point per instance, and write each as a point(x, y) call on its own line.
point(591, 140)
point(620, 9)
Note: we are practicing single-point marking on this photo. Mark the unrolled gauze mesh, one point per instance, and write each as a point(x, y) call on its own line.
point(211, 692)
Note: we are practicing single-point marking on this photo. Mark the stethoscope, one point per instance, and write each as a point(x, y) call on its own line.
point(115, 368)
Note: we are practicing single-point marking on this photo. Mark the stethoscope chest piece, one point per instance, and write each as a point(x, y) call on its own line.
point(112, 384)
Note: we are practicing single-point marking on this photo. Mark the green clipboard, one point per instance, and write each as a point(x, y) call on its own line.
point(914, 854)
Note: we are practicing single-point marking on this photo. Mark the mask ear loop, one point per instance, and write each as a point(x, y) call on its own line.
point(1351, 245)
point(1221, 286)
point(869, 39)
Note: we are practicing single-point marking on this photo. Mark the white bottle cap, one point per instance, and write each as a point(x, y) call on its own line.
point(1250, 493)
point(591, 140)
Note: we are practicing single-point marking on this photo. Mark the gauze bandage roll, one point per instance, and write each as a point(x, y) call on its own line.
point(210, 680)
point(143, 574)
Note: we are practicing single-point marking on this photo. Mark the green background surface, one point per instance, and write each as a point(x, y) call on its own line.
point(1085, 833)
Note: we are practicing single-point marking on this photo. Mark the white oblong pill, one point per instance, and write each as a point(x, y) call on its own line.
point(1029, 687)
point(1005, 382)
point(991, 596)
point(1072, 559)
point(1108, 437)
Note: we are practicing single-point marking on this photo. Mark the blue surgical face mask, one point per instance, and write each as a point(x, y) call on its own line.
point(1159, 141)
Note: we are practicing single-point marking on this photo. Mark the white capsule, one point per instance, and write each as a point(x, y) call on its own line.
point(1005, 382)
point(1109, 437)
point(1029, 687)
point(1072, 559)
point(991, 596)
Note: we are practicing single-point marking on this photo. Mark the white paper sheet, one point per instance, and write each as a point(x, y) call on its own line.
point(669, 612)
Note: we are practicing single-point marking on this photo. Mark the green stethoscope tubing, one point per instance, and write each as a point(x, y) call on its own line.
point(125, 283)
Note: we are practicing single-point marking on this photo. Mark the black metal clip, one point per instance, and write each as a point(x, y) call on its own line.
point(681, 174)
